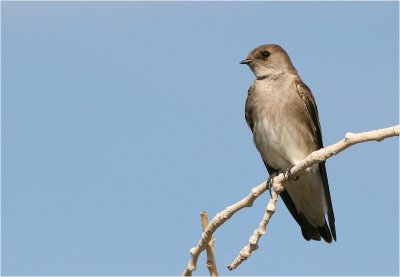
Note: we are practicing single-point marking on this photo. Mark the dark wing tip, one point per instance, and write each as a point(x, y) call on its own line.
point(333, 230)
point(325, 233)
point(311, 232)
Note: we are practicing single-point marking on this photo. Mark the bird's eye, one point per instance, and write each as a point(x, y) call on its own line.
point(265, 54)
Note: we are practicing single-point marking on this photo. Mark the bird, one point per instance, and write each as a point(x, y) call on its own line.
point(283, 117)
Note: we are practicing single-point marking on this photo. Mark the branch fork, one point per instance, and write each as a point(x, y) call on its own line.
point(277, 187)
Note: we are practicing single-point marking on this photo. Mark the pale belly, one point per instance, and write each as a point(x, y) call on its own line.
point(283, 144)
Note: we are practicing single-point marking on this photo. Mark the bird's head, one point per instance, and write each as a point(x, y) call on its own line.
point(268, 60)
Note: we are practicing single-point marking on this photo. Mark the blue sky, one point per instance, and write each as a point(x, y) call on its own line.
point(122, 121)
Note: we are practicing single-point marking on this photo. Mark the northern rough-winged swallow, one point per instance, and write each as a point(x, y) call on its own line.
point(282, 114)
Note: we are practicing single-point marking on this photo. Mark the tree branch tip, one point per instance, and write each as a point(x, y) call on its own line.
point(232, 267)
point(396, 130)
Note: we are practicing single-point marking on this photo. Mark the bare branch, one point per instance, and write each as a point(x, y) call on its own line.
point(314, 158)
point(261, 230)
point(211, 264)
point(217, 221)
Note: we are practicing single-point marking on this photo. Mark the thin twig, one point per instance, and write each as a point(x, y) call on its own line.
point(211, 264)
point(261, 230)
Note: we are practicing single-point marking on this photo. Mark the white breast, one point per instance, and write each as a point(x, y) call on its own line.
point(277, 143)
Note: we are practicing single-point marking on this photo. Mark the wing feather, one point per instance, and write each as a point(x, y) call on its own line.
point(248, 113)
point(311, 108)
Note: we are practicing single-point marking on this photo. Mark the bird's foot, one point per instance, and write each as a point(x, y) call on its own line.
point(288, 172)
point(270, 181)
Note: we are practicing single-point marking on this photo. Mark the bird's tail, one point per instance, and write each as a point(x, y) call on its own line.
point(310, 232)
point(315, 232)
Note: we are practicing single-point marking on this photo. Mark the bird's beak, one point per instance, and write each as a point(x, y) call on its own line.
point(246, 61)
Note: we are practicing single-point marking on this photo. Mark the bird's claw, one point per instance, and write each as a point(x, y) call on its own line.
point(270, 181)
point(288, 173)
